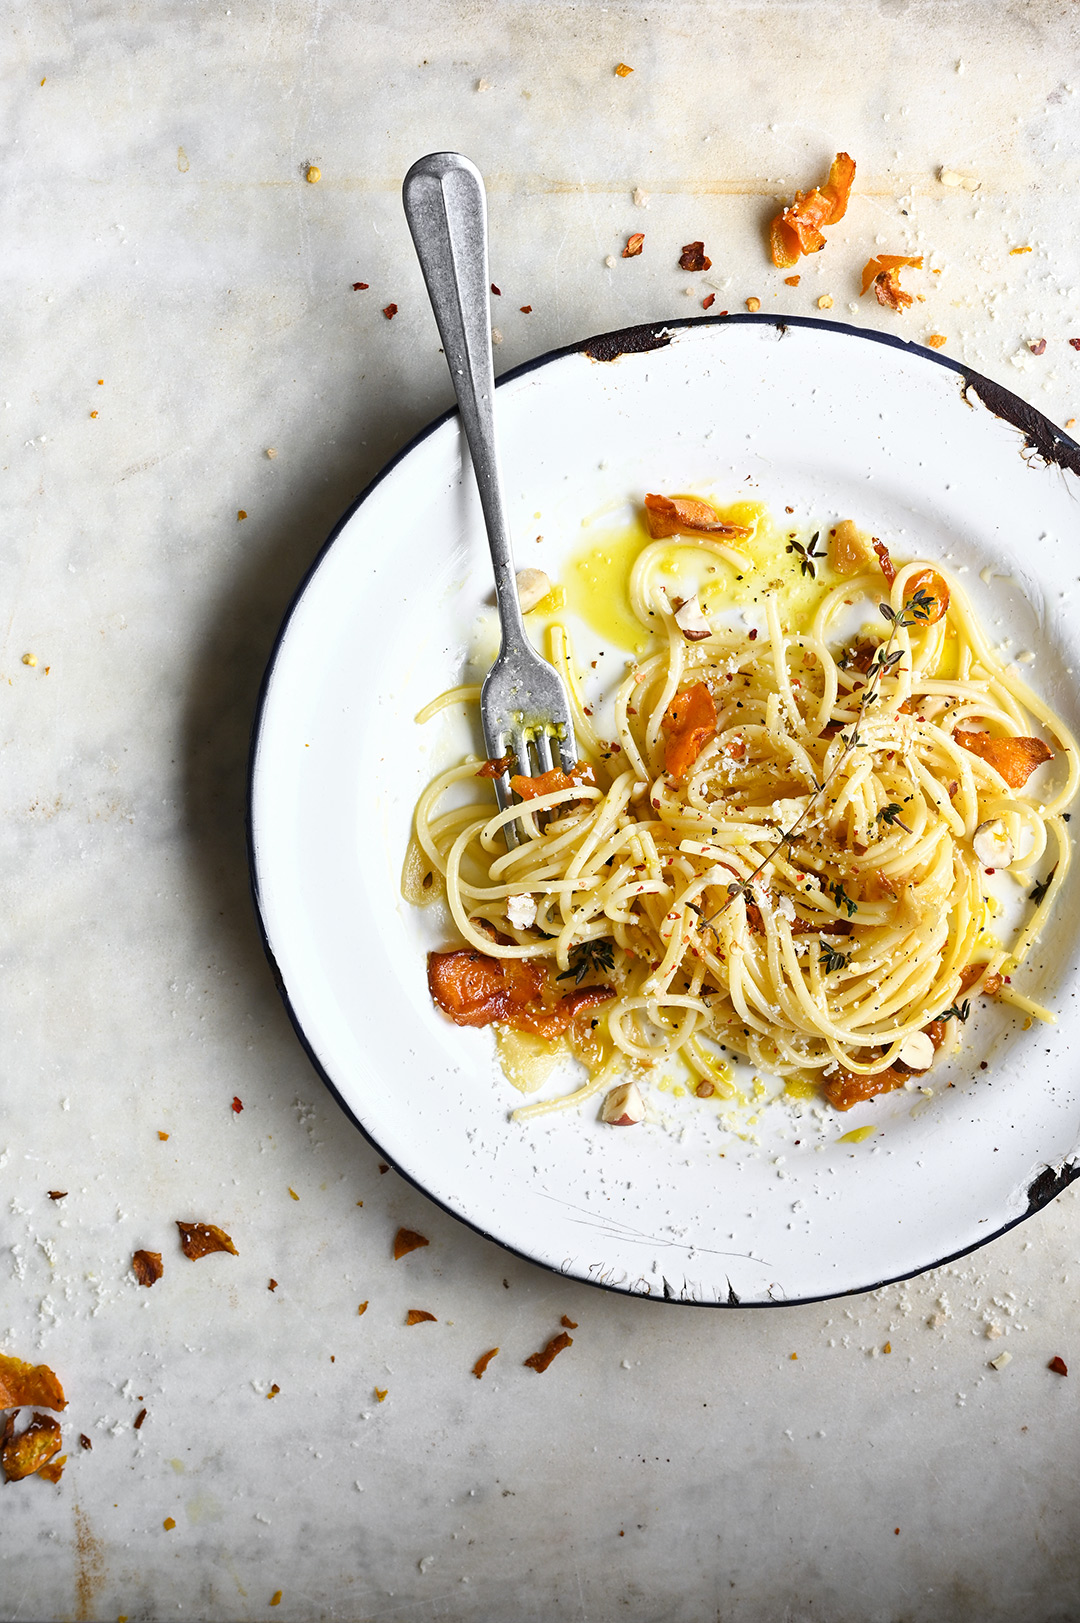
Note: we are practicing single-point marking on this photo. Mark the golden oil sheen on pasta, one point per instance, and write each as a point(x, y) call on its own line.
point(596, 577)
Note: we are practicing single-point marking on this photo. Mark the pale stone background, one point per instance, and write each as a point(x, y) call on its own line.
point(159, 234)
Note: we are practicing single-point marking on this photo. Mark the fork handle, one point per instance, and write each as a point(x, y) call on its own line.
point(446, 208)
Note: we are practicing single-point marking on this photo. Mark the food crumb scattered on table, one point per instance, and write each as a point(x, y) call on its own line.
point(406, 1240)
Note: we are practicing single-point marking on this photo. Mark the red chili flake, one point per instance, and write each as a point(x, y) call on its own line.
point(1075, 342)
point(236, 1104)
point(389, 311)
point(272, 1285)
point(753, 634)
point(57, 1194)
point(496, 290)
point(1058, 1365)
point(406, 1240)
point(694, 257)
point(139, 1418)
point(84, 1441)
point(483, 1361)
point(723, 312)
point(634, 244)
point(360, 287)
point(526, 309)
point(383, 1167)
point(708, 301)
point(1037, 346)
point(540, 1360)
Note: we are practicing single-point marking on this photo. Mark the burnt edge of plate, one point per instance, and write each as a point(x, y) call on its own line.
point(1050, 1182)
point(609, 346)
point(1040, 435)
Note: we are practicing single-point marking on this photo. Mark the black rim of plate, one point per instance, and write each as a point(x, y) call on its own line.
point(1041, 437)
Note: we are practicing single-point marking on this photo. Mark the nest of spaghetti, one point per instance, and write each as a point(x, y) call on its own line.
point(779, 858)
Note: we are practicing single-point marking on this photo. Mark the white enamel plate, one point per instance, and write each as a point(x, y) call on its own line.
point(803, 414)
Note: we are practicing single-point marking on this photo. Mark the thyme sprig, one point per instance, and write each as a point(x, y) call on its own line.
point(958, 1011)
point(916, 609)
point(831, 960)
point(589, 956)
point(890, 815)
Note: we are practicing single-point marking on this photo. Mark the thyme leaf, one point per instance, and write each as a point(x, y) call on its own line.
point(831, 960)
point(842, 899)
point(1043, 886)
point(958, 1011)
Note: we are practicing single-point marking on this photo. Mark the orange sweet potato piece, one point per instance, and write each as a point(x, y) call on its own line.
point(483, 1361)
point(22, 1383)
point(419, 1315)
point(539, 1361)
point(32, 1449)
point(931, 584)
point(847, 1088)
point(1015, 759)
point(796, 230)
point(690, 722)
point(406, 1240)
point(200, 1239)
point(680, 515)
point(147, 1267)
point(548, 783)
point(886, 262)
point(991, 985)
point(477, 990)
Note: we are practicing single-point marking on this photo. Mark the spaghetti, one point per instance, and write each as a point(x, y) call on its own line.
point(779, 857)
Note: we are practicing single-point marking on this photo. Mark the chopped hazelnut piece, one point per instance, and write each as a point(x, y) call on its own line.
point(623, 1106)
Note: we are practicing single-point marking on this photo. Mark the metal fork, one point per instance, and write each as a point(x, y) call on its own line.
point(524, 705)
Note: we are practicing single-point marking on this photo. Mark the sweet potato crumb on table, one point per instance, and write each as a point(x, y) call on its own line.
point(274, 1390)
point(380, 1393)
point(168, 1524)
point(362, 1309)
point(419, 1315)
point(483, 1361)
point(200, 1239)
point(147, 1267)
point(275, 1598)
point(540, 1361)
point(622, 71)
point(29, 1452)
point(406, 1240)
point(23, 1384)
